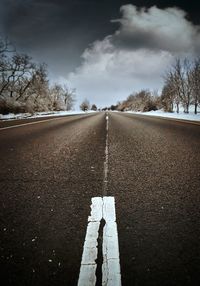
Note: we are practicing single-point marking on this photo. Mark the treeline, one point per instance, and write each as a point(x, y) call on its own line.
point(85, 105)
point(181, 88)
point(140, 101)
point(25, 87)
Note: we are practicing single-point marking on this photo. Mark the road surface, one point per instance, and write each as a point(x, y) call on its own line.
point(50, 171)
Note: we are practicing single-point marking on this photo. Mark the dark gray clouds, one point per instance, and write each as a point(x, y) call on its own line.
point(137, 55)
point(165, 29)
point(58, 32)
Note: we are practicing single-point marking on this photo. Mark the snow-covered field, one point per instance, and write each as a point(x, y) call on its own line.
point(12, 116)
point(191, 116)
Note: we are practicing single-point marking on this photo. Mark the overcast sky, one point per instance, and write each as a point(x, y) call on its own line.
point(104, 48)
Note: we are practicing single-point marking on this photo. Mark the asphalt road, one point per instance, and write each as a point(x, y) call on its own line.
point(49, 172)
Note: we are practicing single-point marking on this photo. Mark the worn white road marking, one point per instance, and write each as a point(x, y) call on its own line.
point(109, 209)
point(96, 209)
point(111, 266)
point(30, 123)
point(111, 276)
point(105, 182)
point(35, 122)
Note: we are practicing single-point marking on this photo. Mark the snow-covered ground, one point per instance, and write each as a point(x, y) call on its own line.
point(12, 116)
point(191, 116)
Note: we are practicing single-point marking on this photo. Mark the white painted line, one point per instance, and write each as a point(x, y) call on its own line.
point(105, 179)
point(87, 276)
point(107, 119)
point(96, 209)
point(111, 275)
point(111, 262)
point(30, 123)
point(36, 122)
point(90, 246)
point(109, 209)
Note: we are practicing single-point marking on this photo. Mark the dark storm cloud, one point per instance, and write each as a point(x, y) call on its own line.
point(55, 31)
point(136, 56)
point(58, 31)
point(156, 29)
point(78, 36)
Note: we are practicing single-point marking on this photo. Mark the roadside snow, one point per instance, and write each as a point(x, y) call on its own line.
point(12, 116)
point(160, 113)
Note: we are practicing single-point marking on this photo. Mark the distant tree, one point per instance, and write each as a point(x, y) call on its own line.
point(183, 69)
point(38, 92)
point(143, 100)
point(56, 93)
point(62, 97)
point(195, 75)
point(94, 107)
point(85, 105)
point(179, 80)
point(167, 98)
point(113, 107)
point(69, 98)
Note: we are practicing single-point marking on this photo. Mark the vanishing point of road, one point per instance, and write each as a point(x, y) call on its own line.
point(51, 168)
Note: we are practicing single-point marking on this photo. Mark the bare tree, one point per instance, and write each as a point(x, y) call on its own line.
point(85, 105)
point(12, 77)
point(56, 92)
point(186, 84)
point(167, 98)
point(24, 85)
point(143, 100)
point(178, 79)
point(69, 97)
point(94, 107)
point(195, 82)
point(63, 98)
point(172, 81)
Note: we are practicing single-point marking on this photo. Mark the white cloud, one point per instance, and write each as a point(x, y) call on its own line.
point(136, 56)
point(154, 28)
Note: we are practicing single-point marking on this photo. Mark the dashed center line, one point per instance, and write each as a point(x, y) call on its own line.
point(105, 179)
point(100, 263)
point(101, 208)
